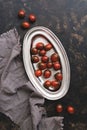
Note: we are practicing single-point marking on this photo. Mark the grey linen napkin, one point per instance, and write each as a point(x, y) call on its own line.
point(19, 100)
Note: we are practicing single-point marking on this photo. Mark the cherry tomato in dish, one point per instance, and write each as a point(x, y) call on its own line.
point(42, 66)
point(45, 59)
point(48, 47)
point(39, 45)
point(38, 73)
point(42, 52)
point(58, 76)
point(35, 59)
point(49, 65)
point(47, 84)
point(54, 57)
point(47, 73)
point(56, 65)
point(34, 51)
point(55, 84)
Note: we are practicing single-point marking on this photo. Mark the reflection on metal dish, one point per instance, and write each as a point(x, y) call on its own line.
point(46, 63)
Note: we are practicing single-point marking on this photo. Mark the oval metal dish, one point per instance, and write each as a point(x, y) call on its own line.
point(38, 82)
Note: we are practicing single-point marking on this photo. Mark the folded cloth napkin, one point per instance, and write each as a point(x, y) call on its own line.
point(19, 100)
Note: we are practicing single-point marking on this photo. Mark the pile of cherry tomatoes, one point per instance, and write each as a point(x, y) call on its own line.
point(49, 67)
point(31, 19)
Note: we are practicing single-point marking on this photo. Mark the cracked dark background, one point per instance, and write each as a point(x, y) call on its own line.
point(68, 20)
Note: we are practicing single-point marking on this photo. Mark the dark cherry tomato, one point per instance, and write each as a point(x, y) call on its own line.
point(56, 65)
point(49, 65)
point(42, 66)
point(47, 73)
point(47, 84)
point(55, 84)
point(34, 51)
point(21, 13)
point(42, 52)
point(70, 110)
point(48, 47)
point(59, 108)
point(58, 76)
point(45, 59)
point(38, 73)
point(54, 57)
point(39, 45)
point(25, 25)
point(32, 18)
point(35, 59)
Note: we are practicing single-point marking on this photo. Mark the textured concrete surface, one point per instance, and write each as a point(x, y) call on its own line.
point(68, 20)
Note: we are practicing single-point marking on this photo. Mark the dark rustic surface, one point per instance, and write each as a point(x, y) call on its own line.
point(68, 20)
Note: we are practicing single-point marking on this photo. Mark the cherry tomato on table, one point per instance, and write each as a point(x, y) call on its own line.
point(32, 18)
point(25, 25)
point(21, 13)
point(70, 110)
point(59, 108)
